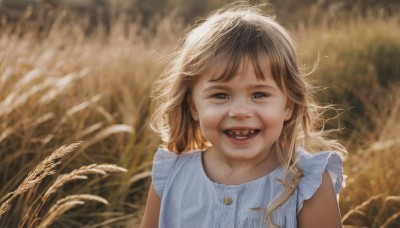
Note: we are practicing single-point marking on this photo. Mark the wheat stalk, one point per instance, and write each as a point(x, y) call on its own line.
point(45, 168)
point(80, 107)
point(66, 203)
point(139, 176)
point(89, 130)
point(113, 129)
point(363, 214)
point(60, 84)
point(391, 219)
point(359, 211)
point(77, 174)
point(81, 173)
point(392, 203)
point(14, 100)
point(110, 221)
point(63, 179)
point(393, 199)
point(6, 75)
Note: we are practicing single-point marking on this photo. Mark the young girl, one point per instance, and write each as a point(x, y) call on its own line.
point(237, 119)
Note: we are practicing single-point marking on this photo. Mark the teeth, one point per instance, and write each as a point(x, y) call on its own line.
point(241, 133)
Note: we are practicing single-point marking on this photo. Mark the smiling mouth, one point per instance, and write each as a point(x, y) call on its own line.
point(241, 133)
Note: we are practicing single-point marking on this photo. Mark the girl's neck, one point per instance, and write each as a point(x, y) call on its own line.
point(222, 170)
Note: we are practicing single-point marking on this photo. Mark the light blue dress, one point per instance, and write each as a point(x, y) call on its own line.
point(190, 199)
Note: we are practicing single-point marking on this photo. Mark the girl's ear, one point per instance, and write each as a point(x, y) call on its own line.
point(288, 110)
point(192, 106)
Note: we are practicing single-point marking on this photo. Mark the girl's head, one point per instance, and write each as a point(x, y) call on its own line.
point(224, 41)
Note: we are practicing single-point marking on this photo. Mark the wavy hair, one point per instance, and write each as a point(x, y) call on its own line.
point(225, 38)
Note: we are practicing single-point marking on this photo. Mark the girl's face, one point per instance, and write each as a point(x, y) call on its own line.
point(241, 117)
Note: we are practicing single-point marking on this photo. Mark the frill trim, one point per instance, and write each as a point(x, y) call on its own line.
point(162, 164)
point(313, 166)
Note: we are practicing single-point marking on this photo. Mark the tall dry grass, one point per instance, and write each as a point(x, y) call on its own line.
point(47, 167)
point(359, 71)
point(59, 85)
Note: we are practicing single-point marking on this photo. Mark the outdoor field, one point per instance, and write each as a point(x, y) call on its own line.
point(76, 147)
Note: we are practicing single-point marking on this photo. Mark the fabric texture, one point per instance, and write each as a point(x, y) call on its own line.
point(190, 199)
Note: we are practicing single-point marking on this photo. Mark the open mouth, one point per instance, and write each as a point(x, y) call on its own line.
point(241, 133)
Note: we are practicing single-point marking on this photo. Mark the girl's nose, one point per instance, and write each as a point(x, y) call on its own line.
point(240, 109)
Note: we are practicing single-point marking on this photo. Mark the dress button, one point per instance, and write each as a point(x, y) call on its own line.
point(228, 200)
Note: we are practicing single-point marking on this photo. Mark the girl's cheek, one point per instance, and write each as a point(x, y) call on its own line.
point(212, 112)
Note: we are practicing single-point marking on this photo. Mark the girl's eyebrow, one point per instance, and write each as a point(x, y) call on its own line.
point(263, 86)
point(214, 87)
point(222, 87)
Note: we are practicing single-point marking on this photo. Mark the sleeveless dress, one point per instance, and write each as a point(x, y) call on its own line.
point(190, 199)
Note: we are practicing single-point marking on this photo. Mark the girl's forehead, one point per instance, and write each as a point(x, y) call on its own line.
point(220, 71)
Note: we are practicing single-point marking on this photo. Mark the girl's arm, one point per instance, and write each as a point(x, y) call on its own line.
point(322, 209)
point(152, 211)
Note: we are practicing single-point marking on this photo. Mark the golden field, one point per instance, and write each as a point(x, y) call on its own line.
point(91, 92)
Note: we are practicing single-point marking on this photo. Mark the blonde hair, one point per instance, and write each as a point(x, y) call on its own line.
point(226, 38)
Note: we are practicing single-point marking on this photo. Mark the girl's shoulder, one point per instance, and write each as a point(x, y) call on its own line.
point(165, 162)
point(313, 167)
point(166, 159)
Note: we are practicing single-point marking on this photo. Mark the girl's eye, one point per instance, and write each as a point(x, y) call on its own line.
point(221, 96)
point(258, 95)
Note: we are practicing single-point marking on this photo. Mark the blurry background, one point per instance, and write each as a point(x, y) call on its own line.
point(81, 70)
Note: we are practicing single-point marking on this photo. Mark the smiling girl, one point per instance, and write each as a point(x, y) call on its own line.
point(242, 145)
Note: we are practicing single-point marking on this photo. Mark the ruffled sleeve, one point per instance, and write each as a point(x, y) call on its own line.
point(313, 166)
point(163, 162)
